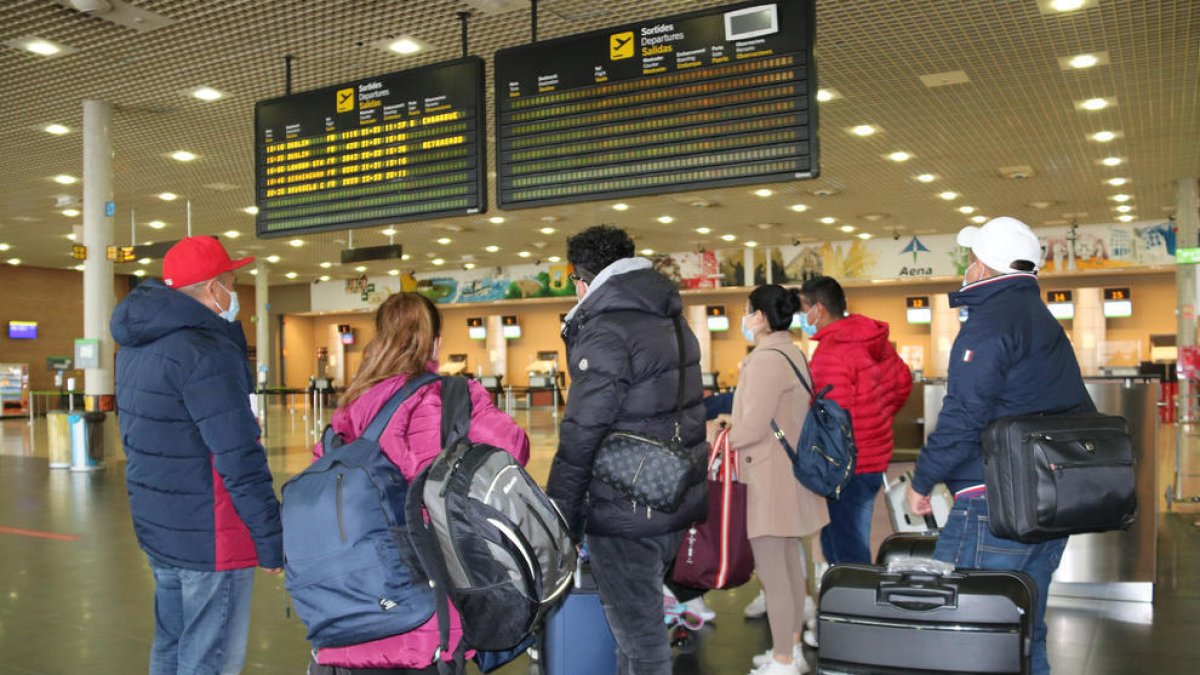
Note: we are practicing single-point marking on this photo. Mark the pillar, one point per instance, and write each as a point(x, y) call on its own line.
point(748, 265)
point(943, 329)
point(98, 297)
point(1089, 330)
point(497, 348)
point(262, 323)
point(1187, 451)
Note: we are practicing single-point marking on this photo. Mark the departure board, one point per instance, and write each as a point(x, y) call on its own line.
point(726, 96)
point(381, 150)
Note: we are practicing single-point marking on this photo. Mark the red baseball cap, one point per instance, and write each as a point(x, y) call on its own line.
point(197, 259)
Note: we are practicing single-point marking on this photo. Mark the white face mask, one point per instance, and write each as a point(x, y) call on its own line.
point(229, 313)
point(967, 274)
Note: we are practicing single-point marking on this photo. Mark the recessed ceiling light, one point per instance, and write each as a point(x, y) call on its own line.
point(966, 209)
point(863, 130)
point(1066, 5)
point(326, 265)
point(4, 247)
point(492, 249)
point(445, 241)
point(324, 277)
point(948, 195)
point(469, 266)
point(207, 94)
point(65, 179)
point(71, 236)
point(926, 178)
point(393, 273)
point(360, 268)
point(1083, 61)
point(826, 95)
point(900, 156)
point(1103, 136)
point(1094, 104)
point(847, 228)
point(865, 235)
point(666, 220)
point(523, 254)
point(547, 230)
point(406, 257)
point(70, 213)
point(157, 224)
point(38, 46)
point(143, 261)
point(405, 46)
point(764, 192)
point(13, 261)
point(979, 220)
point(1111, 161)
point(703, 230)
point(232, 234)
point(438, 261)
point(389, 232)
point(1124, 208)
point(799, 208)
point(168, 196)
point(554, 259)
point(296, 243)
point(291, 275)
point(272, 258)
point(620, 206)
point(254, 272)
point(728, 237)
point(647, 251)
point(829, 220)
point(1117, 182)
point(56, 129)
point(252, 210)
point(1125, 218)
point(183, 156)
point(1120, 198)
point(139, 273)
point(496, 220)
point(79, 268)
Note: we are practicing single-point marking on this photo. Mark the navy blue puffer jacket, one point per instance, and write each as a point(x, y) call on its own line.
point(199, 487)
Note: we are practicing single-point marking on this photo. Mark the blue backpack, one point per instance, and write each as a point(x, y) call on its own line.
point(348, 559)
point(824, 457)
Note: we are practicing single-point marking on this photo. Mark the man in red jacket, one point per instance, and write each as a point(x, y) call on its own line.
point(872, 383)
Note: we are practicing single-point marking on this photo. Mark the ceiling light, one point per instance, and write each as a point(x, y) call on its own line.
point(71, 236)
point(968, 210)
point(1125, 218)
point(79, 268)
point(40, 47)
point(405, 46)
point(1094, 104)
point(139, 273)
point(1103, 136)
point(554, 259)
point(900, 156)
point(979, 220)
point(496, 220)
point(254, 272)
point(390, 232)
point(826, 95)
point(703, 230)
point(326, 265)
point(438, 261)
point(763, 192)
point(829, 220)
point(926, 178)
point(56, 129)
point(232, 234)
point(157, 224)
point(863, 130)
point(207, 94)
point(728, 237)
point(469, 266)
point(523, 254)
point(865, 235)
point(393, 273)
point(13, 261)
point(291, 275)
point(799, 208)
point(272, 258)
point(65, 179)
point(620, 206)
point(1083, 61)
point(547, 230)
point(1120, 198)
point(296, 243)
point(324, 277)
point(444, 241)
point(405, 257)
point(666, 220)
point(1066, 5)
point(847, 228)
point(168, 196)
point(143, 261)
point(360, 268)
point(647, 251)
point(183, 156)
point(252, 210)
point(1111, 161)
point(70, 213)
point(492, 249)
point(948, 195)
point(1117, 182)
point(751, 244)
point(4, 247)
point(1124, 208)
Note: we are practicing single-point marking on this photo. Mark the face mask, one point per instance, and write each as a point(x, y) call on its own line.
point(966, 274)
point(230, 313)
point(807, 327)
point(746, 332)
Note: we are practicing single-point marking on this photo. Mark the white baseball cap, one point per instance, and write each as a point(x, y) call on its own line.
point(1000, 242)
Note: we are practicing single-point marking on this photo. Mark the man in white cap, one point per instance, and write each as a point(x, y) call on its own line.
point(1011, 358)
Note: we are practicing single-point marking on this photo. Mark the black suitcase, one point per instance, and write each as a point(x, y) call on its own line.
point(906, 545)
point(871, 621)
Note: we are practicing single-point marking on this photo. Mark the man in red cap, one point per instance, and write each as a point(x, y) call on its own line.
point(201, 495)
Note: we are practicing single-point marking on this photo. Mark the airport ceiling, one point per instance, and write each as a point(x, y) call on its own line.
point(1012, 139)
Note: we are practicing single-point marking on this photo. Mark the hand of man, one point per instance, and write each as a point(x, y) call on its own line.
point(918, 504)
point(272, 570)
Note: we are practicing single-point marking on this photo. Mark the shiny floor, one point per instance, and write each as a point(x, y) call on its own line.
point(76, 594)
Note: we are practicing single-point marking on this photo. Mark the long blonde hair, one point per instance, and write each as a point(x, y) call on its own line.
point(406, 328)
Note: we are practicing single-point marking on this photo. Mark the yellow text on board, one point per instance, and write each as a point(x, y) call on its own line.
point(620, 46)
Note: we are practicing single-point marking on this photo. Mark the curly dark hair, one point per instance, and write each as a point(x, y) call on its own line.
point(598, 247)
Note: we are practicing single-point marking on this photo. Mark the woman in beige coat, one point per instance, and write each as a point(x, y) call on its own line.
point(779, 510)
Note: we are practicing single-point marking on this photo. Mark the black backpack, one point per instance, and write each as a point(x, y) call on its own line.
point(489, 538)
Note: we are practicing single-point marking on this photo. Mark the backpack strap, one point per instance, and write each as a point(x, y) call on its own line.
point(428, 551)
point(807, 386)
point(378, 423)
point(456, 411)
point(782, 438)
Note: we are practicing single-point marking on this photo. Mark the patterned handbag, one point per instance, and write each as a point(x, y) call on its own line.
point(649, 471)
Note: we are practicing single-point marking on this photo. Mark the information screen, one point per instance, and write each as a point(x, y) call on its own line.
point(726, 96)
point(386, 149)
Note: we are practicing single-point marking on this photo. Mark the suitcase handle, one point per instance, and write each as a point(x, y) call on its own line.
point(917, 599)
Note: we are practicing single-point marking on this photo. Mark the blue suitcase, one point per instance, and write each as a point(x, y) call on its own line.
point(577, 639)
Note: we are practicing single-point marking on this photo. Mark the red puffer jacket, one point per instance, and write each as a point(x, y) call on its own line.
point(869, 380)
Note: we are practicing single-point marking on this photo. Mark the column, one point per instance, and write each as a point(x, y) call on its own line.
point(1089, 330)
point(497, 348)
point(943, 328)
point(98, 297)
point(1187, 450)
point(262, 323)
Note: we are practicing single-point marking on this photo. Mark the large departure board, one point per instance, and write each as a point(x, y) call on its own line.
point(380, 150)
point(725, 96)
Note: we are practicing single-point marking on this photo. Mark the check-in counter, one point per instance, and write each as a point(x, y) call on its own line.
point(1110, 565)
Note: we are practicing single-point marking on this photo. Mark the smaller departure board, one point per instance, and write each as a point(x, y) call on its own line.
point(404, 146)
point(724, 96)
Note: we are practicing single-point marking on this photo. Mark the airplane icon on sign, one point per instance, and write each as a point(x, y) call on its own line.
point(620, 46)
point(345, 100)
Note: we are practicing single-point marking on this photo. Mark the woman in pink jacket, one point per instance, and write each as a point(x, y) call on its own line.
point(407, 340)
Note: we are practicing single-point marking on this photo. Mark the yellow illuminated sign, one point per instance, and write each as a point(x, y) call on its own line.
point(620, 46)
point(345, 100)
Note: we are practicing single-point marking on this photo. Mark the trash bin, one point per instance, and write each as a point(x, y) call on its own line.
point(59, 432)
point(87, 441)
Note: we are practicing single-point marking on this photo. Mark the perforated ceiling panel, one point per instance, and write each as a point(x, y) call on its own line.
point(1017, 109)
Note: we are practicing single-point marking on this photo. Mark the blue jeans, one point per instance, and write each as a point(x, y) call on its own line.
point(967, 542)
point(847, 537)
point(202, 620)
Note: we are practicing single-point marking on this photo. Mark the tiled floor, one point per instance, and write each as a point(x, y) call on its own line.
point(82, 602)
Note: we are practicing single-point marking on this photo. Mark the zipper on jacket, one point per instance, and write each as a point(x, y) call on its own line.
point(341, 519)
point(1087, 465)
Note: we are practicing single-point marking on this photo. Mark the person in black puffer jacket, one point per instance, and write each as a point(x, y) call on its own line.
point(624, 363)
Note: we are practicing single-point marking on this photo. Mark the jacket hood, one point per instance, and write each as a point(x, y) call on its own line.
point(856, 328)
point(632, 286)
point(153, 311)
point(981, 291)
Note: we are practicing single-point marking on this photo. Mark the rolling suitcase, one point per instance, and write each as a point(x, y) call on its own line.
point(577, 639)
point(904, 545)
point(924, 621)
point(904, 520)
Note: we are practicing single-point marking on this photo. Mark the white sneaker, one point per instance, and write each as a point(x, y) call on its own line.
point(810, 638)
point(757, 608)
point(699, 608)
point(774, 667)
point(768, 656)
